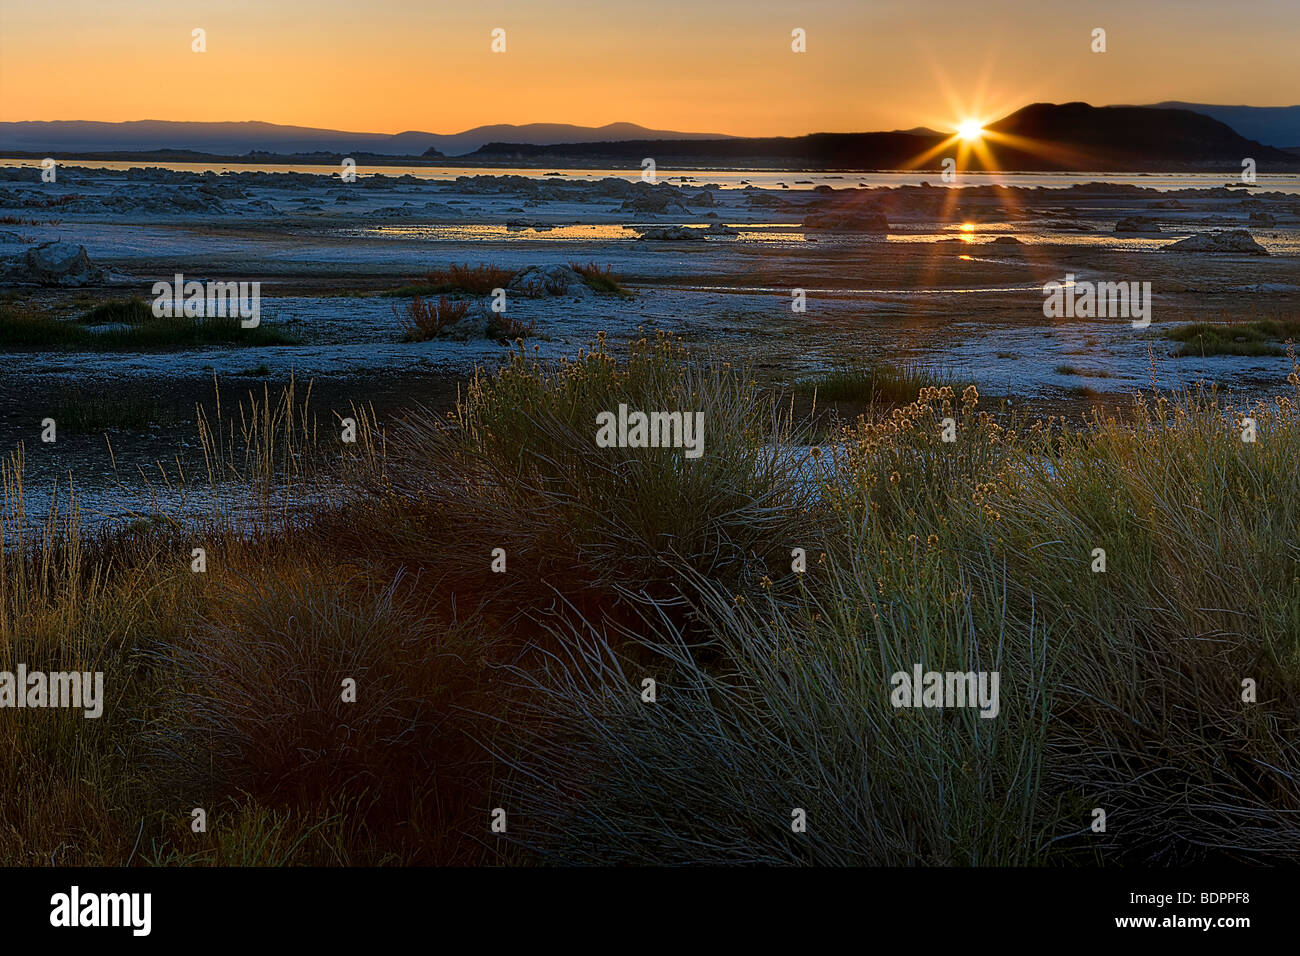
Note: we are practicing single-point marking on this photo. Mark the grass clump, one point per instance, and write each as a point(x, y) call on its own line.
point(23, 325)
point(1121, 685)
point(1120, 689)
point(457, 280)
point(601, 280)
point(1083, 372)
point(518, 465)
point(27, 326)
point(506, 328)
point(413, 289)
point(119, 312)
point(1084, 391)
point(424, 319)
point(84, 412)
point(872, 383)
point(479, 280)
point(295, 740)
point(1258, 337)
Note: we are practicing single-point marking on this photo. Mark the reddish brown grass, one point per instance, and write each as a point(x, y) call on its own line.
point(511, 328)
point(480, 280)
point(423, 319)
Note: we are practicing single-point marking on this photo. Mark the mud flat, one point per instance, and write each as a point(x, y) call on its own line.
point(944, 276)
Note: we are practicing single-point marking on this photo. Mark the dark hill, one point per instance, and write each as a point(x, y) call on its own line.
point(1133, 135)
point(824, 149)
point(1044, 136)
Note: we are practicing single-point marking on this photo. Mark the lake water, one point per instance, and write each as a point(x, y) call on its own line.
point(739, 178)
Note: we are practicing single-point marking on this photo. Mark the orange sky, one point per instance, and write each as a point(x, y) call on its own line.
point(707, 65)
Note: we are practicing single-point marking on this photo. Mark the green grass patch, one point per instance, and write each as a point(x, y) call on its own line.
point(601, 280)
point(874, 383)
point(27, 326)
point(1259, 337)
point(82, 412)
point(1083, 372)
point(119, 312)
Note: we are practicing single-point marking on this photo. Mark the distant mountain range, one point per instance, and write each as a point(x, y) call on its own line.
point(1043, 136)
point(239, 138)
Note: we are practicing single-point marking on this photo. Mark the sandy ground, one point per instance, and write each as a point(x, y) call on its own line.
point(938, 288)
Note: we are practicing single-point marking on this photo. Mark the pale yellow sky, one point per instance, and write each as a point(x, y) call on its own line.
point(720, 66)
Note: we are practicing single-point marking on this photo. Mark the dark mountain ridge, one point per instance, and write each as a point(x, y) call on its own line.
point(1042, 136)
point(238, 138)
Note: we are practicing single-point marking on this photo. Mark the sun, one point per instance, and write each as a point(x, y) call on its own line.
point(970, 130)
